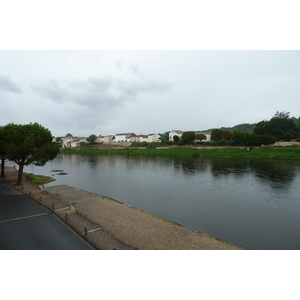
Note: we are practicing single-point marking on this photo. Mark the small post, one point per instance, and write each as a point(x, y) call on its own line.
point(52, 205)
point(40, 198)
point(66, 216)
point(85, 231)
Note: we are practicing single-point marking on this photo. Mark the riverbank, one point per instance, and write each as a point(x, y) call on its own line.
point(292, 152)
point(112, 224)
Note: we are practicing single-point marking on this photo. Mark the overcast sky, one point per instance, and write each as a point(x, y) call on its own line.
point(105, 91)
point(110, 92)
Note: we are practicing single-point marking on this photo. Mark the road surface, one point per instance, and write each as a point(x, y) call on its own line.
point(27, 225)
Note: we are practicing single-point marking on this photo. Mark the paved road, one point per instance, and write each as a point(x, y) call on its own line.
point(27, 225)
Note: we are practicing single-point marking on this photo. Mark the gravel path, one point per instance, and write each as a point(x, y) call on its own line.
point(112, 224)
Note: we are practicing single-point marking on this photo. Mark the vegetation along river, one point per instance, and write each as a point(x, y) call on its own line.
point(252, 203)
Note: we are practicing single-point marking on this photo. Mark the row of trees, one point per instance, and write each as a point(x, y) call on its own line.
point(279, 128)
point(26, 144)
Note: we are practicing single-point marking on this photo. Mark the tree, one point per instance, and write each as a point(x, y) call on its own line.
point(226, 135)
point(260, 127)
point(3, 149)
point(176, 138)
point(92, 139)
point(216, 135)
point(188, 136)
point(200, 136)
point(164, 136)
point(29, 144)
point(279, 126)
point(282, 115)
point(241, 138)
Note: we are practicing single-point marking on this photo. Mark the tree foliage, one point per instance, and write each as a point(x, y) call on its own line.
point(164, 136)
point(201, 136)
point(281, 126)
point(226, 135)
point(216, 135)
point(29, 144)
point(92, 139)
point(188, 136)
point(176, 138)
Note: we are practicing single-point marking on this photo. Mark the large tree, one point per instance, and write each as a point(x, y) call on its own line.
point(92, 139)
point(216, 135)
point(188, 136)
point(200, 136)
point(280, 126)
point(29, 144)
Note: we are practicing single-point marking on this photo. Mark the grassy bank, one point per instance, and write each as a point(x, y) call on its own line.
point(37, 179)
point(261, 152)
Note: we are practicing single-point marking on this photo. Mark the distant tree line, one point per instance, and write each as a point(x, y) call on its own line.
point(279, 128)
point(26, 144)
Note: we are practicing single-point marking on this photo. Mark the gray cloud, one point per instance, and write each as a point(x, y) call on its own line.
point(135, 69)
point(98, 93)
point(119, 64)
point(132, 89)
point(6, 84)
point(51, 89)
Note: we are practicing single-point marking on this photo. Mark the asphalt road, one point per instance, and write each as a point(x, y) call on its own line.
point(27, 225)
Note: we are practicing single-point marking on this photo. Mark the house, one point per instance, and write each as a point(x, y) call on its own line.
point(122, 137)
point(83, 140)
point(66, 141)
point(100, 139)
point(154, 137)
point(143, 138)
point(175, 132)
point(108, 139)
point(74, 144)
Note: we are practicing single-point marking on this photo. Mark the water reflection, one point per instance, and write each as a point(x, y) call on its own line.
point(250, 203)
point(279, 175)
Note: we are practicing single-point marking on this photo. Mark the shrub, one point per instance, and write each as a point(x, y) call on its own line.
point(195, 154)
point(151, 146)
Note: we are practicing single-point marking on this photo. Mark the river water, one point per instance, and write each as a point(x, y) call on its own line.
point(252, 203)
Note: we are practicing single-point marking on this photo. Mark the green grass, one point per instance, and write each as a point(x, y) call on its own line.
point(36, 179)
point(261, 152)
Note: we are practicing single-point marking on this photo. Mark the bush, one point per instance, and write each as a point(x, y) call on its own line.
point(195, 154)
point(151, 146)
point(139, 144)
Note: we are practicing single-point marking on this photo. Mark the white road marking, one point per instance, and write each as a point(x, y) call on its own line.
point(62, 208)
point(15, 219)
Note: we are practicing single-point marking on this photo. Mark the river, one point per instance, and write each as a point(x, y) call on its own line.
point(252, 203)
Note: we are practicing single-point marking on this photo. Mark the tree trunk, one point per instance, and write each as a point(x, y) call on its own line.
point(2, 167)
point(20, 174)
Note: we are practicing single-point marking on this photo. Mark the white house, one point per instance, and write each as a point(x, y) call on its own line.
point(66, 141)
point(100, 139)
point(154, 137)
point(122, 137)
point(175, 132)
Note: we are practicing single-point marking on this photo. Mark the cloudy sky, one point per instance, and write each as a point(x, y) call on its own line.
point(109, 92)
point(172, 80)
